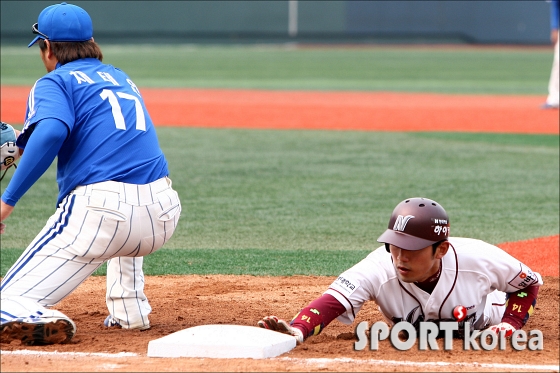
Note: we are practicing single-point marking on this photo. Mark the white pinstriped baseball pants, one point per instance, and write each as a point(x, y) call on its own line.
point(553, 97)
point(109, 221)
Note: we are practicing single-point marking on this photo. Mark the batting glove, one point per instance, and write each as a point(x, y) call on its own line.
point(507, 328)
point(279, 325)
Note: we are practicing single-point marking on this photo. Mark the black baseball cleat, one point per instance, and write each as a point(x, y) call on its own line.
point(43, 331)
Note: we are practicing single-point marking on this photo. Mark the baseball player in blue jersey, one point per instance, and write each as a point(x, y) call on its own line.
point(115, 201)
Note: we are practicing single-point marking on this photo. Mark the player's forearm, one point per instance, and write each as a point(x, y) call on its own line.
point(5, 210)
point(520, 305)
point(317, 315)
point(41, 150)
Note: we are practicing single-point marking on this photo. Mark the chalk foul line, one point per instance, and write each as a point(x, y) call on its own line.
point(69, 354)
point(317, 361)
point(327, 361)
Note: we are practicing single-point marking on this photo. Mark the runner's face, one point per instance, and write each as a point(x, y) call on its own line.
point(414, 265)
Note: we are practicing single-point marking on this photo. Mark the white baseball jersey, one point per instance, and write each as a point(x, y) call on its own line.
point(475, 274)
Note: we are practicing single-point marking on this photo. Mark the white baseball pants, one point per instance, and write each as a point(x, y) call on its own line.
point(93, 224)
point(554, 83)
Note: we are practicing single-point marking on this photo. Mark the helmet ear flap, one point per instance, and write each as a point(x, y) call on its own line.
point(387, 247)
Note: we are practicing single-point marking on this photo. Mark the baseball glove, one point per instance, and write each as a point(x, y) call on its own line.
point(9, 152)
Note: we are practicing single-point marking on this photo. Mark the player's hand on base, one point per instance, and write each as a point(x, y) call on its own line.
point(507, 328)
point(279, 325)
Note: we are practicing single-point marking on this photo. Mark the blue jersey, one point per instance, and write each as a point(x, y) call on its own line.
point(110, 133)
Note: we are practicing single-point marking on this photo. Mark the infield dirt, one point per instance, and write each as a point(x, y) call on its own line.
point(181, 302)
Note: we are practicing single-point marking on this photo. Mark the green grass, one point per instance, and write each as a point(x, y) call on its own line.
point(289, 202)
point(256, 262)
point(387, 68)
point(314, 202)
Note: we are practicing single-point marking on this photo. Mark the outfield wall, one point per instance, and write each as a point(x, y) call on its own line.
point(486, 22)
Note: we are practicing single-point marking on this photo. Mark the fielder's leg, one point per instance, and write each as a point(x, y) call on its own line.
point(128, 305)
point(45, 273)
point(155, 212)
point(553, 98)
point(36, 325)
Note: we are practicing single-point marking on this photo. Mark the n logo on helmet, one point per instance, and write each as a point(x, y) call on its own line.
point(401, 222)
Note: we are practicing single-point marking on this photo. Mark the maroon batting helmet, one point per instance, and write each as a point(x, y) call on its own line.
point(415, 224)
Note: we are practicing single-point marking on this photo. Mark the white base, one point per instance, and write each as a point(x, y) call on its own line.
point(222, 341)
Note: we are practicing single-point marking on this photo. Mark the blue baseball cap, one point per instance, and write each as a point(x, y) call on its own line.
point(63, 22)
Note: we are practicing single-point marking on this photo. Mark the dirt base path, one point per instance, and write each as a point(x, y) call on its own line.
point(370, 111)
point(542, 254)
point(181, 302)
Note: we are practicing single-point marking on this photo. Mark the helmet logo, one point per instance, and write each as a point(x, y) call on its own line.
point(401, 222)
